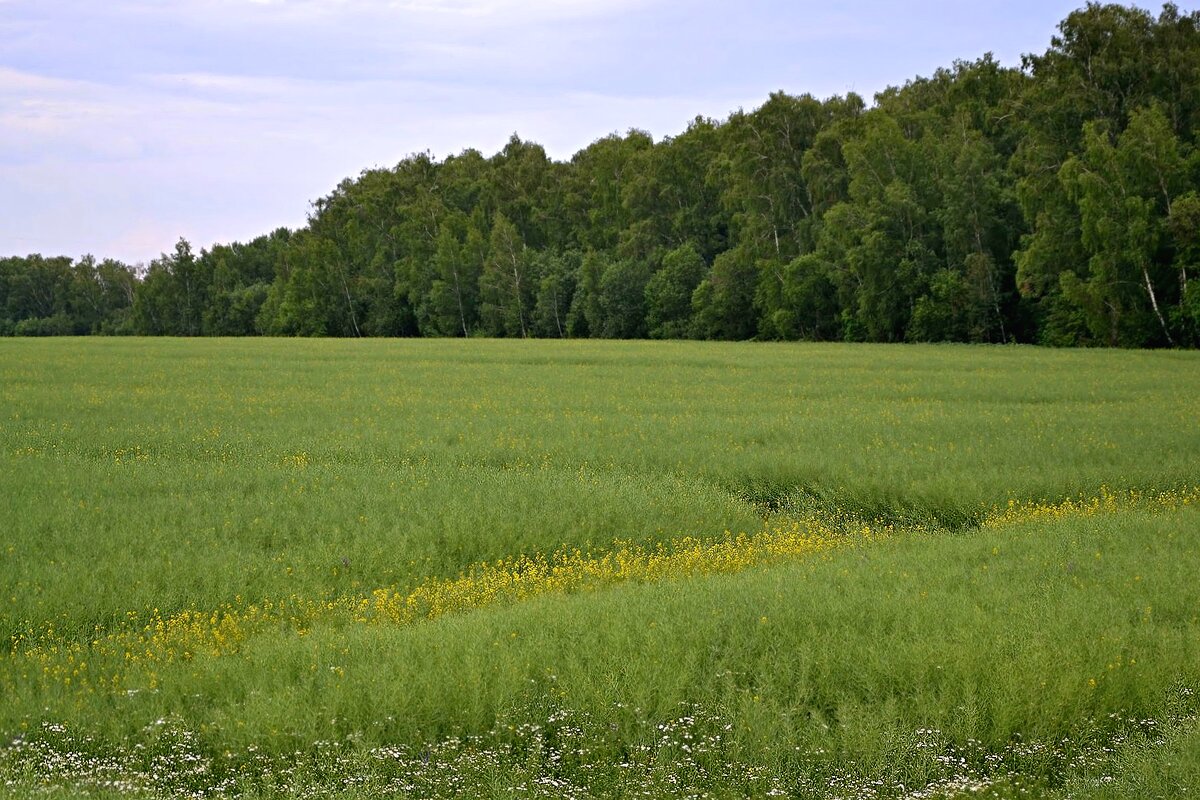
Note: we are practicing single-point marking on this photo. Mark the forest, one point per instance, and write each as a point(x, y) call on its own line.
point(1056, 203)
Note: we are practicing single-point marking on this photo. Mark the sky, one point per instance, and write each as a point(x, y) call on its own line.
point(127, 124)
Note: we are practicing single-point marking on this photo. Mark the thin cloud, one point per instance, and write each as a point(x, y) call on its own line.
point(15, 81)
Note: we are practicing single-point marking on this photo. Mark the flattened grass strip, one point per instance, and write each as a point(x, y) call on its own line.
point(156, 638)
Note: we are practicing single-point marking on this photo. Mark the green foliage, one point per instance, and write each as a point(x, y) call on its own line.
point(451, 306)
point(586, 317)
point(506, 285)
point(602, 175)
point(669, 293)
point(723, 303)
point(1112, 106)
point(801, 299)
point(622, 299)
point(765, 190)
point(55, 297)
point(556, 287)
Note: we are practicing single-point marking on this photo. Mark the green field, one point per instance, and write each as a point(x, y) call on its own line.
point(287, 568)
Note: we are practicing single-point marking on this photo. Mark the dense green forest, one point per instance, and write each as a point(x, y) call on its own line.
point(1057, 203)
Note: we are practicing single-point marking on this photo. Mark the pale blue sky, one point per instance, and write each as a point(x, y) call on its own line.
point(125, 124)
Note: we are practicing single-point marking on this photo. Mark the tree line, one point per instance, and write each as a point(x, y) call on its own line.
point(1057, 202)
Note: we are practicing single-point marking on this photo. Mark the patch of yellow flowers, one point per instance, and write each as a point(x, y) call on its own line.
point(1107, 502)
point(523, 577)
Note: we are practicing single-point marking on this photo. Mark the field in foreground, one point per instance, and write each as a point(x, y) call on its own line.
point(331, 568)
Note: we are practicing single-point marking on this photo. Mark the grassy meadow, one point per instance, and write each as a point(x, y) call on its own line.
point(330, 568)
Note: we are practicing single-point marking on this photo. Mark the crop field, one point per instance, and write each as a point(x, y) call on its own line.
point(310, 569)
